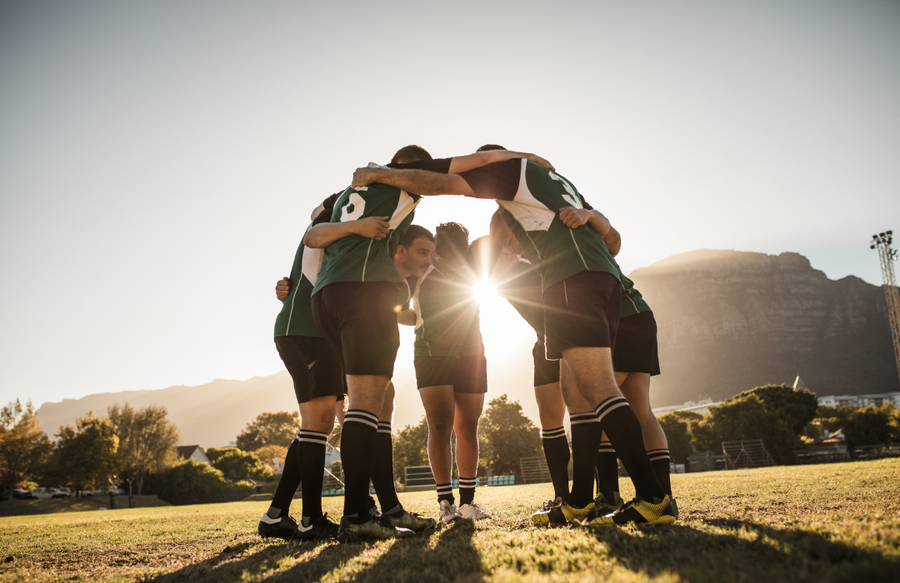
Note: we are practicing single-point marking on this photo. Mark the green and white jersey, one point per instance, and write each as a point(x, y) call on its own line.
point(355, 258)
point(530, 197)
point(295, 317)
point(447, 322)
point(632, 300)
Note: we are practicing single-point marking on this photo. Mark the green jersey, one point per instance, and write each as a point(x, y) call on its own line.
point(530, 197)
point(358, 259)
point(447, 321)
point(632, 300)
point(295, 317)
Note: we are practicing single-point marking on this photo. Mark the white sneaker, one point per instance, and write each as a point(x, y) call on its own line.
point(473, 512)
point(449, 513)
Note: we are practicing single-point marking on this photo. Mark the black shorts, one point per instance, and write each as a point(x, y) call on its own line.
point(314, 366)
point(546, 372)
point(636, 348)
point(359, 321)
point(582, 311)
point(467, 374)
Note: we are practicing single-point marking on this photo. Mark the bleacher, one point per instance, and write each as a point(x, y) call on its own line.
point(534, 470)
point(749, 453)
point(418, 478)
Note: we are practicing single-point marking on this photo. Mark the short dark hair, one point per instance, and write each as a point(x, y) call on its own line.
point(411, 153)
point(496, 219)
point(413, 233)
point(451, 240)
point(486, 147)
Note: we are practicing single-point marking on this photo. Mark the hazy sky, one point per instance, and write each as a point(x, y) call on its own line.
point(159, 160)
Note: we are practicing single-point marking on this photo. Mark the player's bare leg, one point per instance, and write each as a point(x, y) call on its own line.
point(468, 412)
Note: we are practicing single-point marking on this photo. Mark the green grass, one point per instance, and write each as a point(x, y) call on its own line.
point(838, 522)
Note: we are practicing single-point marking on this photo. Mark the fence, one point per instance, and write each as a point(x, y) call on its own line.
point(534, 470)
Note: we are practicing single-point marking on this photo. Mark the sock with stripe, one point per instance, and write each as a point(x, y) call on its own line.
point(660, 460)
point(556, 451)
point(466, 490)
point(311, 454)
point(586, 435)
point(445, 492)
point(287, 484)
point(624, 432)
point(608, 472)
point(357, 455)
point(383, 469)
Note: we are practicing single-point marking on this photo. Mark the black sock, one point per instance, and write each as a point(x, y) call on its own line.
point(288, 483)
point(466, 490)
point(445, 492)
point(660, 460)
point(607, 472)
point(311, 455)
point(556, 451)
point(624, 432)
point(357, 455)
point(585, 437)
point(383, 469)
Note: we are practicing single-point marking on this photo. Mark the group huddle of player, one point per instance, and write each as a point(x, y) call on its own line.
point(362, 268)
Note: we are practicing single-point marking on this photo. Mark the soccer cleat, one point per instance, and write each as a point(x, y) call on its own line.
point(373, 508)
point(473, 512)
point(578, 515)
point(642, 512)
point(549, 513)
point(603, 507)
point(284, 527)
point(448, 512)
point(371, 529)
point(320, 528)
point(408, 520)
point(674, 505)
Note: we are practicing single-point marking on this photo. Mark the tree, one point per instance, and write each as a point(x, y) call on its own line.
point(192, 482)
point(506, 435)
point(146, 441)
point(746, 417)
point(85, 456)
point(870, 426)
point(24, 446)
point(237, 465)
point(269, 429)
point(795, 407)
point(677, 426)
point(267, 453)
point(411, 448)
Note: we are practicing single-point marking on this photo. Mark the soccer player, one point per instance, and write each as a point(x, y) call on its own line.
point(319, 387)
point(451, 370)
point(635, 360)
point(582, 297)
point(355, 304)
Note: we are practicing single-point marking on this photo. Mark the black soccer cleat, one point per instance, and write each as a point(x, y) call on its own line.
point(320, 528)
point(284, 527)
point(372, 529)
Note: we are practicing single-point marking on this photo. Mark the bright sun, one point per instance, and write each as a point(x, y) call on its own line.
point(485, 292)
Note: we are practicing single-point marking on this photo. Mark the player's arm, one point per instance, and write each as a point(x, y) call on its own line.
point(407, 317)
point(420, 182)
point(324, 234)
point(574, 217)
point(478, 159)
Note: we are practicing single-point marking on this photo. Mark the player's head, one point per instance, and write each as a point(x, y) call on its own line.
point(411, 153)
point(451, 242)
point(414, 251)
point(488, 260)
point(487, 147)
point(502, 235)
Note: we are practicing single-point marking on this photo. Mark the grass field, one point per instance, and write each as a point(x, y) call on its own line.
point(838, 522)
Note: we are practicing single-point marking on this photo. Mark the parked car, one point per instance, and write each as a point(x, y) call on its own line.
point(20, 494)
point(116, 491)
point(61, 492)
point(92, 492)
point(41, 493)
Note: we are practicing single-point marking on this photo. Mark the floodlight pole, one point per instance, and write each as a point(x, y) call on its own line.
point(882, 242)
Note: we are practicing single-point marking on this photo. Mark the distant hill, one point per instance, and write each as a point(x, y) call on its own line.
point(730, 321)
point(210, 415)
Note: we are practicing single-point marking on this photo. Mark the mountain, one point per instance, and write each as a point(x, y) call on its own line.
point(209, 415)
point(730, 321)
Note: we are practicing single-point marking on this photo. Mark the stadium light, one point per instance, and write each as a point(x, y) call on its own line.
point(887, 256)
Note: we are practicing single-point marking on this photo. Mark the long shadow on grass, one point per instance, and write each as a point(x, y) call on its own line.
point(435, 556)
point(756, 552)
point(317, 559)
